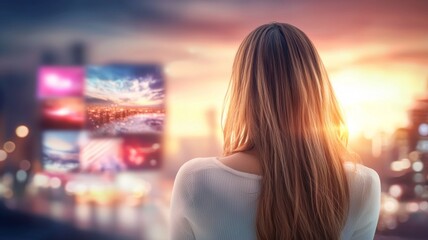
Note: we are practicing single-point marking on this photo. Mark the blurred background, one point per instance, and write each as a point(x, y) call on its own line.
point(376, 53)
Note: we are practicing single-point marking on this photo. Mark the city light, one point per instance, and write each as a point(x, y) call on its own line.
point(422, 145)
point(403, 217)
point(423, 129)
point(8, 193)
point(153, 162)
point(400, 165)
point(22, 131)
point(390, 205)
point(417, 166)
point(418, 178)
point(81, 188)
point(412, 207)
point(40, 180)
point(25, 165)
point(3, 155)
point(405, 163)
point(9, 146)
point(70, 187)
point(414, 155)
point(423, 206)
point(419, 190)
point(55, 182)
point(395, 190)
point(391, 223)
point(21, 176)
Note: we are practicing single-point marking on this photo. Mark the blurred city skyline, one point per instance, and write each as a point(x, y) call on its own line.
point(375, 52)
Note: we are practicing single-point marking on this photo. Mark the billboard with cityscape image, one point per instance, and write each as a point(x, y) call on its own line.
point(124, 100)
point(109, 119)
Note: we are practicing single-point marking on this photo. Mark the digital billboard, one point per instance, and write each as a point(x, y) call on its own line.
point(101, 118)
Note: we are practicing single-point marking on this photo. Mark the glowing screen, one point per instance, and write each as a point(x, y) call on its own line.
point(101, 118)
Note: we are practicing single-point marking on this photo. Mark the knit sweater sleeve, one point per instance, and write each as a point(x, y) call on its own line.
point(369, 213)
point(181, 202)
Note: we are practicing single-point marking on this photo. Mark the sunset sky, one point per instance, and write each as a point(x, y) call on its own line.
point(376, 52)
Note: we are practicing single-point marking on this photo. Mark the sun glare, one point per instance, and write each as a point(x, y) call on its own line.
point(374, 100)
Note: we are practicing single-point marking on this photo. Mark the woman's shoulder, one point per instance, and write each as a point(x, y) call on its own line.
point(363, 181)
point(359, 172)
point(195, 165)
point(185, 181)
point(365, 200)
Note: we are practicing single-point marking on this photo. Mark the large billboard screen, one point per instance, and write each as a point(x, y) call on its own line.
point(101, 118)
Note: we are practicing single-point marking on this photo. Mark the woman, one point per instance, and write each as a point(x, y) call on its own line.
point(284, 173)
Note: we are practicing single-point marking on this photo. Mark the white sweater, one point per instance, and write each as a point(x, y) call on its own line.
point(213, 201)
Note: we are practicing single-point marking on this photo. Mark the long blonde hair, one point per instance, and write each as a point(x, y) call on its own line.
point(281, 105)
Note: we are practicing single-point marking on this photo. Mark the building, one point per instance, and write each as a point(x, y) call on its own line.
point(409, 156)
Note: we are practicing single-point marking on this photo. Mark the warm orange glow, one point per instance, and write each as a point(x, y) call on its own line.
point(376, 70)
point(374, 95)
point(375, 100)
point(9, 146)
point(3, 155)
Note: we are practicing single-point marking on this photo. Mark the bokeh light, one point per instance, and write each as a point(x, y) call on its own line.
point(22, 131)
point(3, 155)
point(21, 175)
point(25, 165)
point(417, 166)
point(395, 190)
point(9, 146)
point(390, 205)
point(55, 182)
point(412, 207)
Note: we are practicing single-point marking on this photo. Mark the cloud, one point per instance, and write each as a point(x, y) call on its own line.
point(164, 26)
point(125, 85)
point(402, 57)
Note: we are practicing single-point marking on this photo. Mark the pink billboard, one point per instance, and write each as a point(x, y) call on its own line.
point(61, 81)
